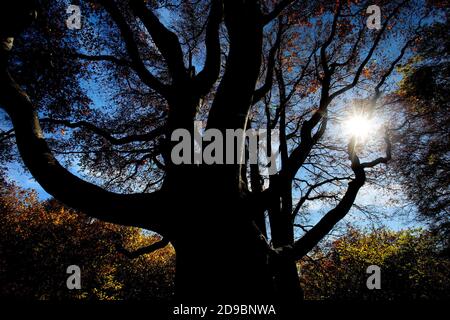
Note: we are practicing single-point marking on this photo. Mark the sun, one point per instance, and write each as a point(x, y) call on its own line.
point(358, 126)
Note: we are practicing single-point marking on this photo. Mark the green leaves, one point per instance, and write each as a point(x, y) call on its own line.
point(410, 261)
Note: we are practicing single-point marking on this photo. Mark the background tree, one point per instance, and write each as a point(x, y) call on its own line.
point(423, 135)
point(109, 96)
point(411, 262)
point(41, 239)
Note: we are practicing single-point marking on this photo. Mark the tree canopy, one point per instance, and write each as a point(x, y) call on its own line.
point(423, 135)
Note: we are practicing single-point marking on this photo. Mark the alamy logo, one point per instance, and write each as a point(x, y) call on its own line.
point(235, 147)
point(374, 20)
point(74, 20)
point(74, 280)
point(374, 281)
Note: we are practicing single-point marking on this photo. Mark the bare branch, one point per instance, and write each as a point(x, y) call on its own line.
point(369, 54)
point(144, 74)
point(306, 243)
point(5, 135)
point(108, 58)
point(392, 66)
point(279, 8)
point(303, 199)
point(144, 250)
point(381, 160)
point(326, 44)
point(107, 135)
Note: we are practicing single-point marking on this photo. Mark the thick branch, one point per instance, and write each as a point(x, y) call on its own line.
point(166, 41)
point(302, 246)
point(59, 182)
point(234, 94)
point(211, 70)
point(144, 250)
point(267, 86)
point(132, 49)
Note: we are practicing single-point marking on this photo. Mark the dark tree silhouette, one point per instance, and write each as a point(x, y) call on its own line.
point(423, 134)
point(290, 65)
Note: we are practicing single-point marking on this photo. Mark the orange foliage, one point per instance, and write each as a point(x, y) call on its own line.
point(41, 239)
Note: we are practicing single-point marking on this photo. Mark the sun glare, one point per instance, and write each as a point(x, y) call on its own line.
point(358, 126)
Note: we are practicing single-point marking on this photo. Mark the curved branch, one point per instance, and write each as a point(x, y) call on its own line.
point(306, 243)
point(369, 54)
point(211, 70)
point(262, 91)
point(303, 199)
point(324, 47)
point(392, 66)
point(381, 160)
point(96, 202)
point(166, 41)
point(144, 250)
point(133, 51)
point(300, 153)
point(105, 134)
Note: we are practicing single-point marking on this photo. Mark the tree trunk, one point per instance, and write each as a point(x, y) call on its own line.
point(222, 266)
point(219, 255)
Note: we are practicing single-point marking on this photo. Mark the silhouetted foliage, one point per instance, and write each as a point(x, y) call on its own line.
point(422, 153)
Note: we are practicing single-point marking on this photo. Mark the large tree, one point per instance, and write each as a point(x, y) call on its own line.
point(423, 135)
point(110, 95)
